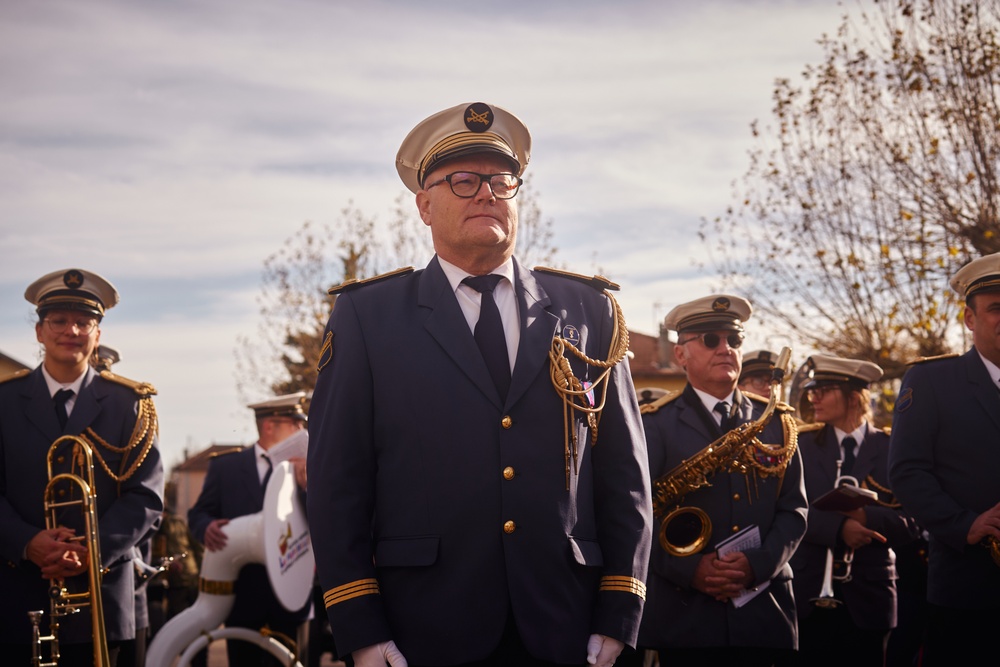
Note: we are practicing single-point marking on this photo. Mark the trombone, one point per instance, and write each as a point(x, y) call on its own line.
point(66, 490)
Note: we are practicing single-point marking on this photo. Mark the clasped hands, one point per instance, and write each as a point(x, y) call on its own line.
point(58, 553)
point(601, 651)
point(723, 577)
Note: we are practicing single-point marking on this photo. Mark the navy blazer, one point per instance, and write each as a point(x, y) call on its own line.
point(944, 464)
point(870, 595)
point(677, 615)
point(232, 489)
point(435, 507)
point(127, 513)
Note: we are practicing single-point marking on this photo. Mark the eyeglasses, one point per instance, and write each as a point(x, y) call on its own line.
point(466, 184)
point(60, 325)
point(817, 393)
point(759, 380)
point(711, 340)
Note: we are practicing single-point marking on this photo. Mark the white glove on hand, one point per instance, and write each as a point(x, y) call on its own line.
point(603, 651)
point(377, 655)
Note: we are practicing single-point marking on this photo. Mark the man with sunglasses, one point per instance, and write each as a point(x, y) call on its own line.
point(478, 484)
point(66, 396)
point(697, 612)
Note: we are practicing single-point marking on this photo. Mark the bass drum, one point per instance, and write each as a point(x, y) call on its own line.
point(276, 537)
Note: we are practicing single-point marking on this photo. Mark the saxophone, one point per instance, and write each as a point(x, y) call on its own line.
point(685, 529)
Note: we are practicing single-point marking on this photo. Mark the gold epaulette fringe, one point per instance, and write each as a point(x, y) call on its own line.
point(141, 388)
point(924, 360)
point(599, 283)
point(651, 408)
point(355, 283)
point(16, 374)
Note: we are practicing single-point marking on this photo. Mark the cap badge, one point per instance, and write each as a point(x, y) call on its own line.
point(478, 117)
point(720, 305)
point(73, 279)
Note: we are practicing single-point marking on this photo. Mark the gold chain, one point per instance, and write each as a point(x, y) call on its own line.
point(146, 427)
point(572, 391)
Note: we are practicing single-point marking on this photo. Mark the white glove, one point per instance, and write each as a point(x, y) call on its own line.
point(377, 655)
point(603, 651)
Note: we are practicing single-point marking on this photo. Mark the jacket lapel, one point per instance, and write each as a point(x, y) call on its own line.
point(694, 415)
point(38, 406)
point(984, 389)
point(446, 324)
point(87, 405)
point(538, 327)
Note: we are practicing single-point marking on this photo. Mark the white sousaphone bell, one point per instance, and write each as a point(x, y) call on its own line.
point(276, 537)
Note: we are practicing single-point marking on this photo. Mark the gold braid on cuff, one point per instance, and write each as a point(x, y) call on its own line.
point(624, 585)
point(352, 590)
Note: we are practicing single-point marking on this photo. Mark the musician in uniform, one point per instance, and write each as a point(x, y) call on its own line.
point(234, 487)
point(66, 396)
point(737, 608)
point(847, 605)
point(755, 374)
point(944, 463)
point(478, 474)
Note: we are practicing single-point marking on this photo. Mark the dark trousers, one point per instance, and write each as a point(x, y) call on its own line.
point(511, 652)
point(744, 656)
point(960, 636)
point(830, 637)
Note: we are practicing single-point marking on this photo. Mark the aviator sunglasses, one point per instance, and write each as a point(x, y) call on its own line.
point(711, 340)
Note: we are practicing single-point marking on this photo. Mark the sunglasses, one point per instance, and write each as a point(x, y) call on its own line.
point(711, 340)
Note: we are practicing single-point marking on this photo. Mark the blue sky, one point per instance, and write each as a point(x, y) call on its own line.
point(173, 145)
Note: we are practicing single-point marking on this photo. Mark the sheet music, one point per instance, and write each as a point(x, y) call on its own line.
point(295, 445)
point(748, 538)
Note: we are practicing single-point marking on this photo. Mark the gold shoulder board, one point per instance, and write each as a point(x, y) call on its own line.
point(806, 427)
point(143, 389)
point(780, 406)
point(650, 408)
point(231, 450)
point(597, 282)
point(355, 283)
point(886, 429)
point(16, 374)
point(924, 360)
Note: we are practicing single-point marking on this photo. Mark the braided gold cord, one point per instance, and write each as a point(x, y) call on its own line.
point(572, 391)
point(146, 427)
point(869, 482)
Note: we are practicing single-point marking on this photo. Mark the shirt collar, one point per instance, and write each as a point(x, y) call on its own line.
point(456, 275)
point(710, 401)
point(991, 368)
point(54, 385)
point(858, 434)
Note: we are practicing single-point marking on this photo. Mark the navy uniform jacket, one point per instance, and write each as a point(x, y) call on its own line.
point(126, 514)
point(870, 595)
point(434, 507)
point(944, 463)
point(232, 489)
point(679, 616)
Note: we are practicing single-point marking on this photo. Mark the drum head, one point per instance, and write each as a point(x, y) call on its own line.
point(287, 548)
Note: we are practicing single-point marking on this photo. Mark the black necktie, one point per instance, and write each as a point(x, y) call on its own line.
point(267, 473)
point(489, 332)
point(722, 407)
point(60, 399)
point(849, 444)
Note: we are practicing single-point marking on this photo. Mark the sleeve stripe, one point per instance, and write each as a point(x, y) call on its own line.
point(624, 584)
point(351, 590)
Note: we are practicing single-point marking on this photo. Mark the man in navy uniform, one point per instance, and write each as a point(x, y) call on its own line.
point(698, 611)
point(944, 464)
point(234, 486)
point(479, 493)
point(66, 396)
point(850, 622)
